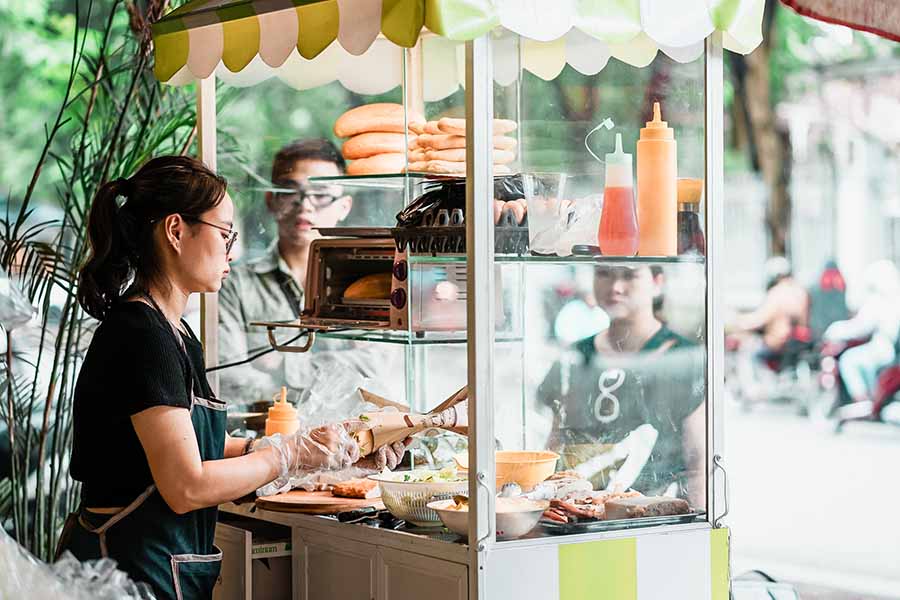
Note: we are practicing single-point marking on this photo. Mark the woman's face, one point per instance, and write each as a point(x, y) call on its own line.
point(204, 258)
point(314, 205)
point(624, 292)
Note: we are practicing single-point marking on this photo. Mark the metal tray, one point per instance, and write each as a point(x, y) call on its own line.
point(355, 232)
point(595, 526)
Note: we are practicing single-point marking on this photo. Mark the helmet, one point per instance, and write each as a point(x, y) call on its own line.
point(776, 268)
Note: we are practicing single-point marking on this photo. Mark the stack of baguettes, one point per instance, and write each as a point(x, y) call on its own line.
point(377, 138)
point(440, 146)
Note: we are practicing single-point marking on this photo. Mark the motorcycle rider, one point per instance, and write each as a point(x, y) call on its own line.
point(878, 317)
point(783, 316)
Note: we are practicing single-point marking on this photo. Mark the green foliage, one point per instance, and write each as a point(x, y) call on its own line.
point(111, 115)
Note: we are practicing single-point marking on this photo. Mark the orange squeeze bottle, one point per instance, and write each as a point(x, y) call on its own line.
point(282, 417)
point(657, 188)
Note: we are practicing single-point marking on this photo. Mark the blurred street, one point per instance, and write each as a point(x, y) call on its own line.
point(809, 506)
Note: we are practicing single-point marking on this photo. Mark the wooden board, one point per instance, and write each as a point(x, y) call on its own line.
point(314, 503)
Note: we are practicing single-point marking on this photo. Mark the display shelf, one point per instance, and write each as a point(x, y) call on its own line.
point(388, 336)
point(392, 181)
point(565, 260)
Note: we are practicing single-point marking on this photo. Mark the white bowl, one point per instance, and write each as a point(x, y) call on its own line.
point(515, 516)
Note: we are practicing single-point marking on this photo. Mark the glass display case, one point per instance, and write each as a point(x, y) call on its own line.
point(544, 201)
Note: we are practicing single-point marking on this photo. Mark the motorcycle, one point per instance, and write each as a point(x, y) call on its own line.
point(790, 377)
point(832, 394)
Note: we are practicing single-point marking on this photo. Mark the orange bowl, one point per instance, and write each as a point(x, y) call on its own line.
point(525, 467)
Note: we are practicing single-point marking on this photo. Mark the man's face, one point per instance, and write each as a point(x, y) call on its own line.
point(307, 205)
point(624, 292)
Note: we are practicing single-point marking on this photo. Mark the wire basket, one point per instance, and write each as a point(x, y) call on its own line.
point(407, 500)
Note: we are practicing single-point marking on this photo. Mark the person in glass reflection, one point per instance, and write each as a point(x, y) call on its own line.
point(628, 401)
point(270, 288)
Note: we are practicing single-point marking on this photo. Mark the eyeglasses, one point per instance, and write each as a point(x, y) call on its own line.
point(620, 273)
point(230, 237)
point(292, 195)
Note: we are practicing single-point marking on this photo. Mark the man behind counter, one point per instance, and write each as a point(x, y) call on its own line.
point(270, 288)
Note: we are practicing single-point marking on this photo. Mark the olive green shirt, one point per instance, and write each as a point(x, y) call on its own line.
point(252, 293)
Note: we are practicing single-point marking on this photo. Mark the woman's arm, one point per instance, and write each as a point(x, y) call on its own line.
point(694, 442)
point(235, 446)
point(185, 481)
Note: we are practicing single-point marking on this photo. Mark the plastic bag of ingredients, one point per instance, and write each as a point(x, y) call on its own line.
point(15, 309)
point(333, 396)
point(450, 195)
point(24, 576)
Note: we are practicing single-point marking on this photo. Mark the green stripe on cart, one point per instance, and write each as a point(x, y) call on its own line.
point(719, 570)
point(604, 570)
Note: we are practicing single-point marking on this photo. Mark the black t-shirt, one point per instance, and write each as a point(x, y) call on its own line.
point(601, 398)
point(134, 363)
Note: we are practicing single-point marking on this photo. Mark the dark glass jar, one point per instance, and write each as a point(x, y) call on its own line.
point(690, 234)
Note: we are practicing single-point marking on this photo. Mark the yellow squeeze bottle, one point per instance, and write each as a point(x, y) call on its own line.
point(282, 417)
point(657, 188)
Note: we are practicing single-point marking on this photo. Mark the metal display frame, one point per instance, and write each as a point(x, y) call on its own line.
point(480, 262)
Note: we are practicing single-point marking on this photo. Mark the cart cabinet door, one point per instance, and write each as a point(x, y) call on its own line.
point(408, 576)
point(332, 567)
point(234, 582)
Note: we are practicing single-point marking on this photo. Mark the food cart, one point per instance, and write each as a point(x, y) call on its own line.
point(517, 67)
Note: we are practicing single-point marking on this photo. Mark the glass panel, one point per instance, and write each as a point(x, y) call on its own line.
point(286, 173)
point(611, 373)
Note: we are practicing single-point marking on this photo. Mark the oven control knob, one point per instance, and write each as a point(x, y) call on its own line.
point(398, 298)
point(401, 271)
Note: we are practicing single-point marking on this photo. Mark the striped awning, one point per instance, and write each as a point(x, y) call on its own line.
point(881, 17)
point(287, 38)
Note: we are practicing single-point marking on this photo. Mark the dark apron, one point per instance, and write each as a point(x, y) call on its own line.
point(173, 553)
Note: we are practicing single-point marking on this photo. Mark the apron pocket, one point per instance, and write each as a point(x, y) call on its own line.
point(194, 575)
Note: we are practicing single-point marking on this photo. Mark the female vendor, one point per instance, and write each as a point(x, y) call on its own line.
point(149, 436)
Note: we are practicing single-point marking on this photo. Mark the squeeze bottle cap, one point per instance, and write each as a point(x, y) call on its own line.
point(657, 129)
point(618, 167)
point(282, 416)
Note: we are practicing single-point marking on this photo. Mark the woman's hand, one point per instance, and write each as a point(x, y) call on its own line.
point(329, 447)
point(385, 457)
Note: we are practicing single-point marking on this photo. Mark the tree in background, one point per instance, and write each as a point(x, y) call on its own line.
point(791, 44)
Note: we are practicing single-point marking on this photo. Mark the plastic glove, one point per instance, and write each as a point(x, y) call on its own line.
point(330, 447)
point(386, 457)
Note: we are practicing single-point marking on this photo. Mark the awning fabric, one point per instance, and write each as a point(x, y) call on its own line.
point(275, 37)
point(881, 17)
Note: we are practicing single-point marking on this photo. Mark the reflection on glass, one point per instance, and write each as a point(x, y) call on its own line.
point(628, 400)
point(270, 286)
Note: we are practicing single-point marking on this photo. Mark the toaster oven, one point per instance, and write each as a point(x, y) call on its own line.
point(366, 283)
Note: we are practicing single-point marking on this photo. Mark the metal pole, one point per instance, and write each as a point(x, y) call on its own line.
point(480, 315)
point(206, 146)
point(715, 225)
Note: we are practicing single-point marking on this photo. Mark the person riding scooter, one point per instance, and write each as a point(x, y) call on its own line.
point(783, 316)
point(878, 316)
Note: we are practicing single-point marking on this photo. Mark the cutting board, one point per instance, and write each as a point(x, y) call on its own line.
point(314, 503)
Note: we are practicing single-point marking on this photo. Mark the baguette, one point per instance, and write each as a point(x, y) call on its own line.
point(450, 142)
point(447, 167)
point(458, 126)
point(369, 144)
point(383, 117)
point(501, 157)
point(432, 128)
point(392, 162)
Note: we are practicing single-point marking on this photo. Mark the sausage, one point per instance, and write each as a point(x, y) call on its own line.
point(518, 210)
point(498, 209)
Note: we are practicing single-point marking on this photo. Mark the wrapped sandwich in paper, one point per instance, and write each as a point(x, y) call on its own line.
point(385, 427)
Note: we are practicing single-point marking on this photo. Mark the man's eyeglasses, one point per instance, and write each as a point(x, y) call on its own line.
point(292, 195)
point(230, 234)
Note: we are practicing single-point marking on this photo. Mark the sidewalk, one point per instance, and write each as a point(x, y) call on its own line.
point(817, 593)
